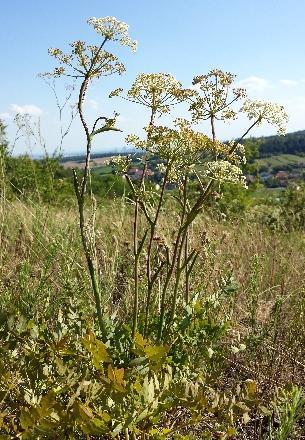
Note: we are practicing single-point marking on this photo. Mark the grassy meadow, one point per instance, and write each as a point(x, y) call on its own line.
point(155, 296)
point(248, 278)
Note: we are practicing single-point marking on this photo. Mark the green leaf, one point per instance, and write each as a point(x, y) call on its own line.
point(97, 349)
point(26, 419)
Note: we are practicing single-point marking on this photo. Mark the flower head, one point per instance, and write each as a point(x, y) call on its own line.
point(120, 163)
point(224, 172)
point(272, 113)
point(93, 61)
point(85, 60)
point(158, 91)
point(181, 147)
point(215, 96)
point(116, 92)
point(113, 29)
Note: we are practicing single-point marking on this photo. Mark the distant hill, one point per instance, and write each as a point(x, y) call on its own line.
point(81, 157)
point(291, 143)
point(266, 146)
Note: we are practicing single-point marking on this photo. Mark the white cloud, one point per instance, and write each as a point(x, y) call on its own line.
point(29, 109)
point(254, 83)
point(5, 116)
point(193, 87)
point(288, 82)
point(93, 104)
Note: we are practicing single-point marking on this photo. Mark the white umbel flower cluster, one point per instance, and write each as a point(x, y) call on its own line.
point(181, 148)
point(92, 61)
point(225, 172)
point(215, 96)
point(113, 29)
point(158, 91)
point(120, 163)
point(272, 113)
point(238, 154)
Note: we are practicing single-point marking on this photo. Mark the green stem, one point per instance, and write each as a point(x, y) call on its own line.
point(80, 191)
point(150, 278)
point(166, 283)
point(136, 271)
point(181, 247)
point(178, 275)
point(89, 259)
point(187, 273)
point(137, 252)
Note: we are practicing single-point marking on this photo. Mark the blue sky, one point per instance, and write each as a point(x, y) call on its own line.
point(261, 41)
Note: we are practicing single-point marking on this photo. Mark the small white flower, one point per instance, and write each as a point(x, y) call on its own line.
point(210, 352)
point(234, 349)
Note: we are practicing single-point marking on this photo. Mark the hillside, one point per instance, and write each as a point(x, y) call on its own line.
point(277, 160)
point(291, 143)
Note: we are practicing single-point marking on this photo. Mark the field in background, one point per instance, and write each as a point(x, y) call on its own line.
point(78, 163)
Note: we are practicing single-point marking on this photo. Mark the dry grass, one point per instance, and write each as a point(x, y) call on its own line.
point(42, 265)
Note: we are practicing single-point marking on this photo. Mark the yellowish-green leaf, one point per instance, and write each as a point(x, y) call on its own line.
point(116, 376)
point(251, 387)
point(26, 419)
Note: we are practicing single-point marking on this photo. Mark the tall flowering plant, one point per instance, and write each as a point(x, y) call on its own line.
point(184, 154)
point(87, 62)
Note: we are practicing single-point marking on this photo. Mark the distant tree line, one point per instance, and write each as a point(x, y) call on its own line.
point(291, 143)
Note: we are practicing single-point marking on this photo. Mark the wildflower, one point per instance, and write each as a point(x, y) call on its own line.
point(210, 352)
point(225, 172)
point(92, 60)
point(215, 96)
point(236, 153)
point(272, 113)
point(116, 92)
point(181, 147)
point(158, 91)
point(113, 29)
point(120, 163)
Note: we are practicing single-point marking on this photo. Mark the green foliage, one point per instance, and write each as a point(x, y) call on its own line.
point(232, 201)
point(291, 143)
point(32, 178)
point(62, 380)
point(289, 406)
point(4, 153)
point(108, 185)
point(57, 377)
point(46, 180)
point(293, 206)
point(134, 338)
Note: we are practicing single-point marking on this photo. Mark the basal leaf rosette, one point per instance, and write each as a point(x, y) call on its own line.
point(269, 112)
point(215, 96)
